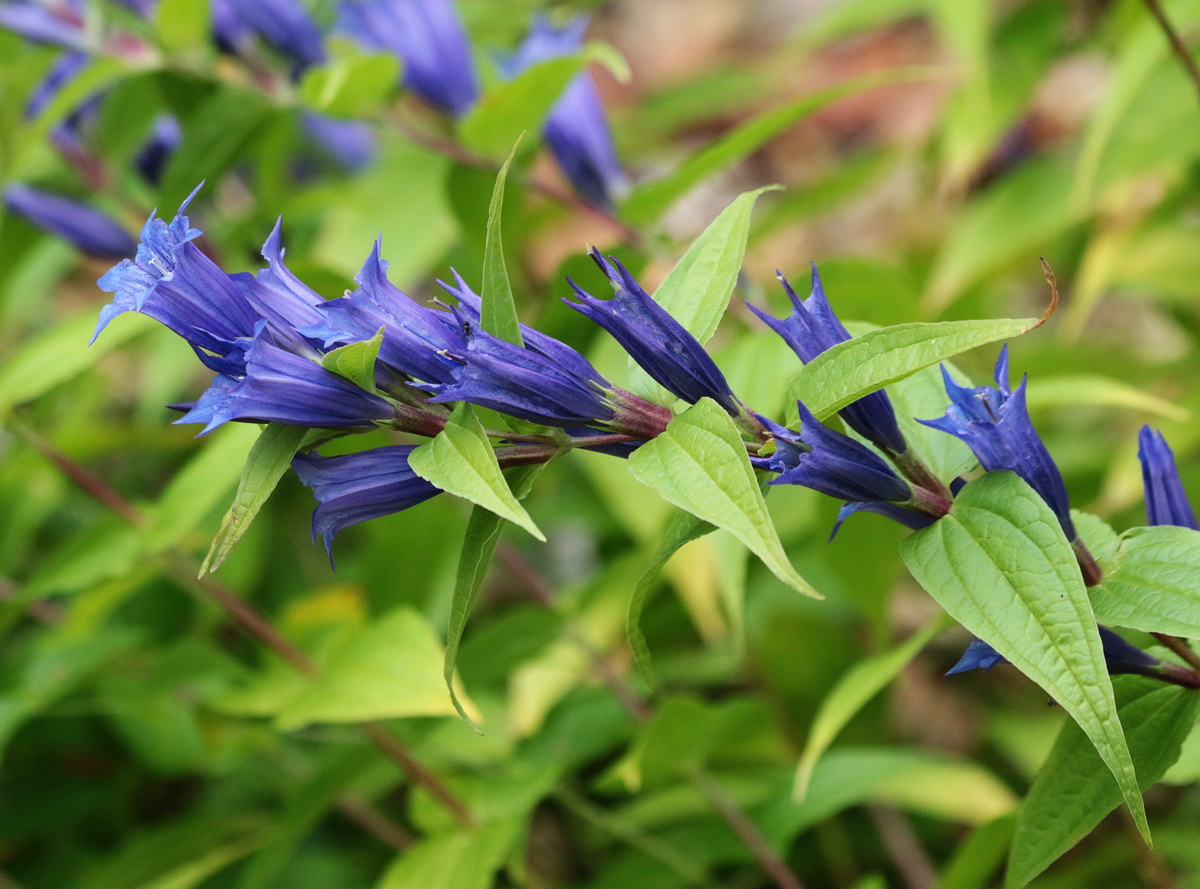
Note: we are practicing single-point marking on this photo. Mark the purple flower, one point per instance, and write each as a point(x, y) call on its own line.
point(60, 23)
point(174, 283)
point(88, 229)
point(1119, 656)
point(523, 383)
point(576, 129)
point(820, 458)
point(285, 24)
point(350, 143)
point(280, 386)
point(812, 328)
point(413, 335)
point(152, 157)
point(276, 295)
point(428, 37)
point(995, 424)
point(356, 487)
point(657, 342)
point(1166, 502)
point(61, 73)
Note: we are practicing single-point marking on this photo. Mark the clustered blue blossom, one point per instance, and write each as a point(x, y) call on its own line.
point(427, 36)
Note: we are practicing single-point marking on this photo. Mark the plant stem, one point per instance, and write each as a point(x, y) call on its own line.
point(1177, 45)
point(1181, 648)
point(241, 613)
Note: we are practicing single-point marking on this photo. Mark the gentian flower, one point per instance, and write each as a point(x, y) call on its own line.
point(428, 37)
point(413, 335)
point(825, 460)
point(657, 342)
point(812, 328)
point(88, 229)
point(350, 143)
point(356, 487)
point(285, 24)
point(152, 157)
point(280, 386)
point(174, 283)
point(1119, 656)
point(522, 383)
point(1166, 502)
point(276, 295)
point(576, 129)
point(60, 23)
point(995, 424)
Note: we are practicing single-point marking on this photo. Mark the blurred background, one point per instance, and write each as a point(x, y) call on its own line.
point(930, 151)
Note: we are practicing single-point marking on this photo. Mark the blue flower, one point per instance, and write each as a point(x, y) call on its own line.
point(350, 143)
point(828, 461)
point(285, 24)
point(276, 295)
point(657, 342)
point(413, 335)
point(1166, 502)
point(811, 329)
point(88, 229)
point(522, 383)
point(356, 487)
point(428, 37)
point(60, 23)
point(279, 386)
point(995, 424)
point(174, 283)
point(1119, 656)
point(165, 136)
point(576, 129)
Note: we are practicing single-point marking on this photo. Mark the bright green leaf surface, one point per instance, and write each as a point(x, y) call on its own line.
point(1152, 585)
point(865, 363)
point(498, 313)
point(460, 460)
point(1074, 788)
point(861, 683)
point(700, 465)
point(509, 109)
point(356, 362)
point(463, 860)
point(390, 668)
point(351, 86)
point(1000, 565)
point(183, 26)
point(270, 457)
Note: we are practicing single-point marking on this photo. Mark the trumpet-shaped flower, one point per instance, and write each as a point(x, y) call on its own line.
point(657, 342)
point(812, 328)
point(995, 424)
point(1119, 656)
point(88, 229)
point(428, 37)
point(1166, 502)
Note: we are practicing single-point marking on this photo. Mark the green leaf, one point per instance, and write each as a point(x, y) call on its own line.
point(519, 105)
point(852, 369)
point(979, 855)
point(681, 528)
point(461, 860)
point(923, 396)
point(390, 668)
point(1001, 566)
point(498, 313)
point(197, 488)
point(56, 356)
point(356, 361)
point(700, 465)
point(184, 26)
point(269, 458)
point(1074, 789)
point(1151, 585)
point(1081, 389)
point(214, 137)
point(650, 201)
point(479, 543)
point(355, 85)
point(860, 683)
point(460, 461)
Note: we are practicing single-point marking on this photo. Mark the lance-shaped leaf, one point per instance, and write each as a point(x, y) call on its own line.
point(1001, 566)
point(356, 361)
point(852, 369)
point(1074, 790)
point(460, 461)
point(498, 311)
point(269, 458)
point(700, 465)
point(1151, 584)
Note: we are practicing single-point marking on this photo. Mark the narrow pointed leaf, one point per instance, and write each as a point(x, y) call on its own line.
point(460, 461)
point(1074, 788)
point(700, 465)
point(1001, 566)
point(1151, 585)
point(499, 311)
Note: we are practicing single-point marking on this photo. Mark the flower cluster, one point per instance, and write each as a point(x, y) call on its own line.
point(269, 339)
